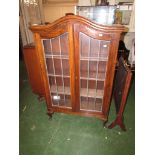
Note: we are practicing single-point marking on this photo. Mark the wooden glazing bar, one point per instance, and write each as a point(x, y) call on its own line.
point(54, 73)
point(62, 70)
point(97, 74)
point(88, 73)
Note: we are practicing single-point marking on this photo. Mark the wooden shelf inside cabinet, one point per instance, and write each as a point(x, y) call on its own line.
point(56, 56)
point(77, 60)
point(54, 75)
point(93, 59)
point(92, 79)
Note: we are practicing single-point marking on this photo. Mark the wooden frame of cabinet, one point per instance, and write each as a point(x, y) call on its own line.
point(75, 34)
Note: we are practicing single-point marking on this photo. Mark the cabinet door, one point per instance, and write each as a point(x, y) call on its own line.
point(57, 65)
point(92, 68)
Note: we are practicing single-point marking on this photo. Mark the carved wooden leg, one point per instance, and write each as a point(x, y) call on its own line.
point(105, 123)
point(118, 121)
point(50, 114)
point(40, 98)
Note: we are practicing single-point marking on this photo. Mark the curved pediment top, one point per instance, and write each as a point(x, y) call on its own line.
point(78, 19)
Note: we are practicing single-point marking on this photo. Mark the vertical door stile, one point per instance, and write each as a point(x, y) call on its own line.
point(43, 70)
point(72, 65)
point(77, 65)
point(110, 76)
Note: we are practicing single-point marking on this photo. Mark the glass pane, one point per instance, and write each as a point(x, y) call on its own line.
point(65, 64)
point(57, 64)
point(93, 62)
point(49, 64)
point(104, 51)
point(92, 69)
point(64, 45)
point(47, 46)
point(84, 68)
point(58, 70)
point(55, 46)
point(98, 105)
point(84, 45)
point(101, 69)
point(94, 48)
point(84, 103)
point(91, 102)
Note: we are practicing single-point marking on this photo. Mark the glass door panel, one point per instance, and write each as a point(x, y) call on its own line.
point(57, 64)
point(93, 61)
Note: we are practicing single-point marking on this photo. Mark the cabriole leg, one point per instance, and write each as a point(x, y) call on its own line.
point(50, 114)
point(118, 121)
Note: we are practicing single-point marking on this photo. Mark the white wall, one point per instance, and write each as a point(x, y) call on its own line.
point(55, 10)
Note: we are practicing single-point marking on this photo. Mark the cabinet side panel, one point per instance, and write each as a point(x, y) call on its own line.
point(33, 70)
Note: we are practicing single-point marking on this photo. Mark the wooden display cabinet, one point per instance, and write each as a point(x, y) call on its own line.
point(77, 61)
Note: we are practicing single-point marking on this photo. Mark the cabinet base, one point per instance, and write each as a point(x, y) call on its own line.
point(41, 98)
point(50, 114)
point(80, 113)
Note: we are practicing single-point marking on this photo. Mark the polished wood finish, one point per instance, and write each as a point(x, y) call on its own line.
point(121, 89)
point(73, 26)
point(33, 70)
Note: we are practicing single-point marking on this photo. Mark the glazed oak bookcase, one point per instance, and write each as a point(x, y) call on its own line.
point(77, 60)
